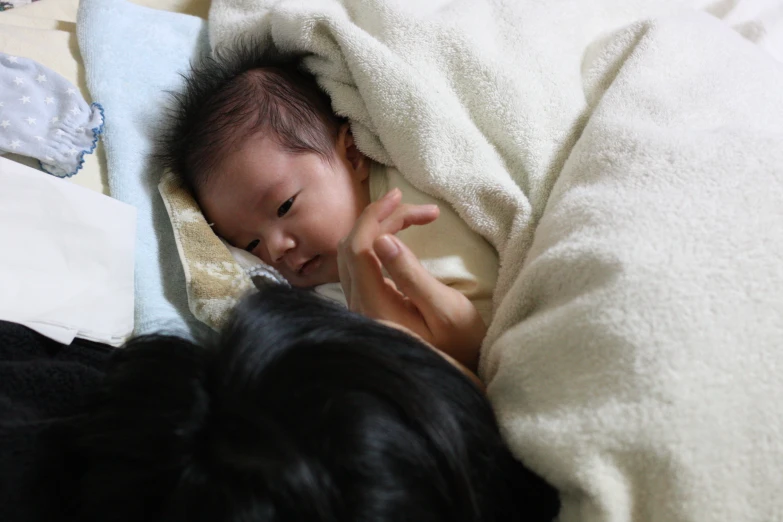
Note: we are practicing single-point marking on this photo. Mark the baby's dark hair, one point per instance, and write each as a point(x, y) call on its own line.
point(239, 92)
point(299, 411)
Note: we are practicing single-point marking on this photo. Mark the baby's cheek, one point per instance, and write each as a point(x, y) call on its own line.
point(331, 271)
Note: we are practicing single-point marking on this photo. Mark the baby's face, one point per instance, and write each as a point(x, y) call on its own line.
point(291, 210)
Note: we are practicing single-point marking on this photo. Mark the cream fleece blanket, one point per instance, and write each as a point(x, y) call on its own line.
point(630, 175)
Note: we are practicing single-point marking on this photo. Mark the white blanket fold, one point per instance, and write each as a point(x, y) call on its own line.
point(477, 102)
point(630, 174)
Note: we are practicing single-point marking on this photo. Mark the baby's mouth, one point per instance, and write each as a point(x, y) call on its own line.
point(309, 266)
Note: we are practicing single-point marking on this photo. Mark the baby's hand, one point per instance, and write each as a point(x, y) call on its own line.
point(413, 298)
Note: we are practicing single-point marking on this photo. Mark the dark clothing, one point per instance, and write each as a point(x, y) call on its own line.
point(41, 382)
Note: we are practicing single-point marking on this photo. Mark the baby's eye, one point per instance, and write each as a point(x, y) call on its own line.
point(285, 207)
point(252, 245)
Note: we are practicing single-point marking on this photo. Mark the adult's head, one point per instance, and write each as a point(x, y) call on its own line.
point(298, 411)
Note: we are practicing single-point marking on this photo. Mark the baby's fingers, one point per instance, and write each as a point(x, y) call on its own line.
point(405, 216)
point(379, 210)
point(358, 244)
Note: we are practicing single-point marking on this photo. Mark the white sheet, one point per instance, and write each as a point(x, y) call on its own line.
point(66, 267)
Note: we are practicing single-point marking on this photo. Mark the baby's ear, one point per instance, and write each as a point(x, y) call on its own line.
point(346, 146)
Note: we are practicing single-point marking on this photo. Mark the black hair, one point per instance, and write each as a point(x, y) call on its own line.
point(298, 411)
point(236, 93)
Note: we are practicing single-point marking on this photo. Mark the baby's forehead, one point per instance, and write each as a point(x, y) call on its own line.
point(256, 151)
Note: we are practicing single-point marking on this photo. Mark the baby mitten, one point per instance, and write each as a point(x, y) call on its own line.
point(42, 115)
point(5, 5)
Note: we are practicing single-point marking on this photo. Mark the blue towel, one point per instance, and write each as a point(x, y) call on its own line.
point(132, 56)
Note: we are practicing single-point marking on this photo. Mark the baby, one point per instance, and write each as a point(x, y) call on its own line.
point(280, 175)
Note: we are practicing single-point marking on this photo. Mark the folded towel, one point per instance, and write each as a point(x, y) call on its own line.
point(217, 274)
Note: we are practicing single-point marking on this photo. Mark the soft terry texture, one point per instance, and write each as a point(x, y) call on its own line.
point(132, 55)
point(214, 281)
point(634, 357)
point(644, 374)
point(476, 102)
point(217, 274)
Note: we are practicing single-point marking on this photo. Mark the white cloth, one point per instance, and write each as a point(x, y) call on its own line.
point(66, 267)
point(476, 102)
point(643, 375)
point(332, 291)
point(447, 247)
point(635, 352)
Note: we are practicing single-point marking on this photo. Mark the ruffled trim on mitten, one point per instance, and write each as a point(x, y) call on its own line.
point(54, 170)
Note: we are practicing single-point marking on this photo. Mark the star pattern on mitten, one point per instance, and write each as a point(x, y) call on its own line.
point(43, 116)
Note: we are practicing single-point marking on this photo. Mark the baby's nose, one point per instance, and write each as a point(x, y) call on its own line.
point(280, 246)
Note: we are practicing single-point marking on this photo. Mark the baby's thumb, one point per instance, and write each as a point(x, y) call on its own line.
point(408, 274)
